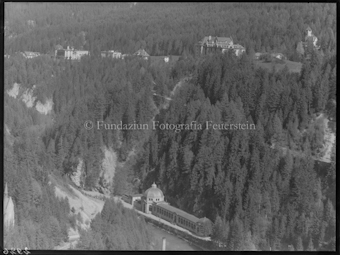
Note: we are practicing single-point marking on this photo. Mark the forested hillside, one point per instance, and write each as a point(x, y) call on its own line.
point(116, 228)
point(167, 28)
point(39, 145)
point(262, 188)
point(235, 175)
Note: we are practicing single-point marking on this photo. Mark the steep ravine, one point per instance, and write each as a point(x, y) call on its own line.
point(88, 205)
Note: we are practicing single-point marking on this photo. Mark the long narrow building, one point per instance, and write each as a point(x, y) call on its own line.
point(153, 203)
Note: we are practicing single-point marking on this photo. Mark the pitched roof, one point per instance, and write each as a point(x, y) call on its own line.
point(238, 46)
point(142, 52)
point(179, 212)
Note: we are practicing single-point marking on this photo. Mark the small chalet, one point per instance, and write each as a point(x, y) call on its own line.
point(142, 53)
point(278, 56)
point(30, 54)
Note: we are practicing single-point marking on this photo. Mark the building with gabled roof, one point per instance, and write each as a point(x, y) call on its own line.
point(30, 54)
point(238, 49)
point(111, 54)
point(142, 53)
point(222, 44)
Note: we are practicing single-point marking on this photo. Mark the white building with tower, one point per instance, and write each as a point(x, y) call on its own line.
point(153, 203)
point(150, 196)
point(311, 37)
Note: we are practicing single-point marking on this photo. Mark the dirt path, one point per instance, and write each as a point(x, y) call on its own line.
point(73, 237)
point(172, 93)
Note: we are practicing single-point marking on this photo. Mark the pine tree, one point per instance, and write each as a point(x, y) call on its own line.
point(310, 245)
point(236, 240)
point(299, 246)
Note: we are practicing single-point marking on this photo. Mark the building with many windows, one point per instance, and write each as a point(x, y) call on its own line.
point(153, 202)
point(71, 53)
point(111, 54)
point(210, 44)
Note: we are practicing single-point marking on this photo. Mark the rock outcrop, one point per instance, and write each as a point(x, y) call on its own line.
point(29, 99)
point(8, 210)
point(108, 168)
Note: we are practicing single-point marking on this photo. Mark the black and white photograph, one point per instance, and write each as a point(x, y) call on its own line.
point(169, 126)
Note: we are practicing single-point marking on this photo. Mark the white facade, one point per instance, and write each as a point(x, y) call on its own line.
point(75, 54)
point(238, 49)
point(224, 43)
point(311, 36)
point(111, 53)
point(71, 53)
point(151, 195)
point(30, 54)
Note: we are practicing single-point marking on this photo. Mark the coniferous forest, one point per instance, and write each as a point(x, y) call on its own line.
point(263, 189)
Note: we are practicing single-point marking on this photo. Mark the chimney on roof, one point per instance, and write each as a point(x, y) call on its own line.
point(68, 47)
point(209, 38)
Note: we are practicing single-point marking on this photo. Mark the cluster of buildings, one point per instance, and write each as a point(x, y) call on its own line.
point(73, 54)
point(152, 202)
point(211, 44)
point(310, 41)
point(260, 55)
point(116, 54)
point(70, 53)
